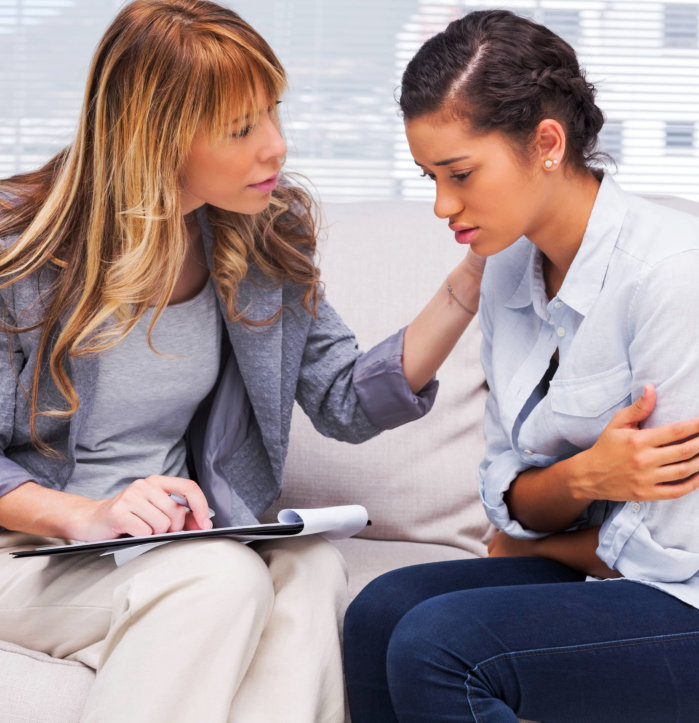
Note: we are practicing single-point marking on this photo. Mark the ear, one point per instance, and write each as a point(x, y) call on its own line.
point(550, 143)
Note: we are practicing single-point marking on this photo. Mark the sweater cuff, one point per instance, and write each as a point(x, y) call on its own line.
point(383, 390)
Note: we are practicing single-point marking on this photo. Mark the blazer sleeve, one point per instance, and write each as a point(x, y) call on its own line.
point(12, 361)
point(350, 395)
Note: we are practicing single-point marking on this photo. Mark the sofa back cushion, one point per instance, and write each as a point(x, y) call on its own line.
point(381, 262)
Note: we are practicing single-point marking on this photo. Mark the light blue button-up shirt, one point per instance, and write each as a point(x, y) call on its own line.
point(625, 315)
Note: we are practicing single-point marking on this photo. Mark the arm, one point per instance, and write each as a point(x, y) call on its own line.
point(25, 506)
point(575, 549)
point(352, 396)
point(432, 335)
point(626, 463)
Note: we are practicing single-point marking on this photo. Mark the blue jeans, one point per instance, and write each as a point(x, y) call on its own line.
point(491, 640)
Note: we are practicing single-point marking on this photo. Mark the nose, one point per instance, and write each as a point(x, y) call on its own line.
point(447, 203)
point(272, 145)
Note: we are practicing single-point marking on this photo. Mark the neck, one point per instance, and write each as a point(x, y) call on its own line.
point(561, 234)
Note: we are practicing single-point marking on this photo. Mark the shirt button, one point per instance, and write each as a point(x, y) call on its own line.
point(636, 507)
point(561, 331)
point(557, 304)
point(528, 451)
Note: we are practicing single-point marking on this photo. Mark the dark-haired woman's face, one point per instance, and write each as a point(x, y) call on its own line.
point(490, 194)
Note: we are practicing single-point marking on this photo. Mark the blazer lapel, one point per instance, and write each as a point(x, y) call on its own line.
point(258, 350)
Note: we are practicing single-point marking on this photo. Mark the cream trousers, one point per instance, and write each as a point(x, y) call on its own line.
point(210, 630)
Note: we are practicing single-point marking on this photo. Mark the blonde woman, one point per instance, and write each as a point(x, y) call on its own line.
point(160, 312)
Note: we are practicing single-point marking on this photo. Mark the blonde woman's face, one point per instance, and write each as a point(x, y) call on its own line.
point(239, 172)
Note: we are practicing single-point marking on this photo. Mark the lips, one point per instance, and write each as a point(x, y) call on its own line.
point(464, 234)
point(267, 185)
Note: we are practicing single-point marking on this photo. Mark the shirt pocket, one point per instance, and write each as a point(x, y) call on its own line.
point(582, 407)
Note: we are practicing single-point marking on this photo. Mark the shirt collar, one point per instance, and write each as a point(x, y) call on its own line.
point(585, 277)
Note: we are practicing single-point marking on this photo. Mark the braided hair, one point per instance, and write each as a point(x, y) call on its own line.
point(501, 72)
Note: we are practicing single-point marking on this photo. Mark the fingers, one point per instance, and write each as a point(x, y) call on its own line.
point(674, 490)
point(145, 507)
point(671, 434)
point(196, 500)
point(636, 412)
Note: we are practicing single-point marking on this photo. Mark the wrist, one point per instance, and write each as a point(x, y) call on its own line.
point(576, 475)
point(464, 287)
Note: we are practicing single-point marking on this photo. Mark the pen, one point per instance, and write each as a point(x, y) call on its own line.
point(182, 501)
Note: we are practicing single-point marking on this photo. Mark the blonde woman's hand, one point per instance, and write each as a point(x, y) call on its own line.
point(145, 507)
point(627, 463)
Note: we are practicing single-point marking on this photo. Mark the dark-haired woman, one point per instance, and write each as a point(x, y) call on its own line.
point(588, 607)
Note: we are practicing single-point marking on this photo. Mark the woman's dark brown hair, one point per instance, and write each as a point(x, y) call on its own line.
point(501, 72)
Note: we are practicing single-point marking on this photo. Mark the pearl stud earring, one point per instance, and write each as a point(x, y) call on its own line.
point(548, 163)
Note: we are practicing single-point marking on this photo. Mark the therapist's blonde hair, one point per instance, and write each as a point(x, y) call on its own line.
point(100, 224)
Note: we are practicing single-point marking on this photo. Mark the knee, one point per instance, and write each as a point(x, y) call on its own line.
point(309, 561)
point(412, 641)
point(378, 607)
point(218, 573)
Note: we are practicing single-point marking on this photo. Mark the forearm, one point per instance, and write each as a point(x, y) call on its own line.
point(432, 335)
point(544, 499)
point(41, 511)
point(577, 550)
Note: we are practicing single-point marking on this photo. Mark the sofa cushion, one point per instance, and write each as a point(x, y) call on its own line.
point(367, 559)
point(39, 689)
point(418, 482)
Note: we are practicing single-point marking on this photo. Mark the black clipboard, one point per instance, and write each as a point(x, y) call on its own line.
point(245, 532)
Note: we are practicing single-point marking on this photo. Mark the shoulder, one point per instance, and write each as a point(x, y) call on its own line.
point(654, 232)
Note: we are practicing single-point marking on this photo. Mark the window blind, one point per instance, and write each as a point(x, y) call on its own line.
point(344, 62)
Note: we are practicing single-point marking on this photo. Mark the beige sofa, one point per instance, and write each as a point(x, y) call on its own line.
point(381, 262)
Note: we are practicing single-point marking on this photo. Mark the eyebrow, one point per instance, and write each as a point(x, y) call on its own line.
point(446, 162)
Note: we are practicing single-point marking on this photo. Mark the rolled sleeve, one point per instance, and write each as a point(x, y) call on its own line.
point(11, 475)
point(495, 479)
point(383, 390)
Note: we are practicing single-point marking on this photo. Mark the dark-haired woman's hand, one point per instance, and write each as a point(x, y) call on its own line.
point(626, 464)
point(631, 464)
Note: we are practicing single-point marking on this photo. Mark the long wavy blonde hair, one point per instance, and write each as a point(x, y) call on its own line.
point(104, 214)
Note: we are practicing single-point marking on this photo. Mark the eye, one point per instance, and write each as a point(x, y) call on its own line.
point(460, 176)
point(425, 174)
point(243, 132)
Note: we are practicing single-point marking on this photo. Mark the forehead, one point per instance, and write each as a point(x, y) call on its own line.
point(236, 111)
point(436, 139)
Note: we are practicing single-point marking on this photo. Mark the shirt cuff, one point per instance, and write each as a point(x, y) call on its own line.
point(383, 390)
point(494, 483)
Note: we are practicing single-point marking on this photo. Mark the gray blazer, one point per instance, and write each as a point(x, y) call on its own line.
point(237, 458)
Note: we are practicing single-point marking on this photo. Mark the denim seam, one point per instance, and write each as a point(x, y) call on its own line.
point(630, 642)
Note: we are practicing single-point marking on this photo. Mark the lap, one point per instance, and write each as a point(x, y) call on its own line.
point(47, 602)
point(552, 650)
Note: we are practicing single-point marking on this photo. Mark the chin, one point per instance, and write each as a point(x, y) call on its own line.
point(246, 209)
